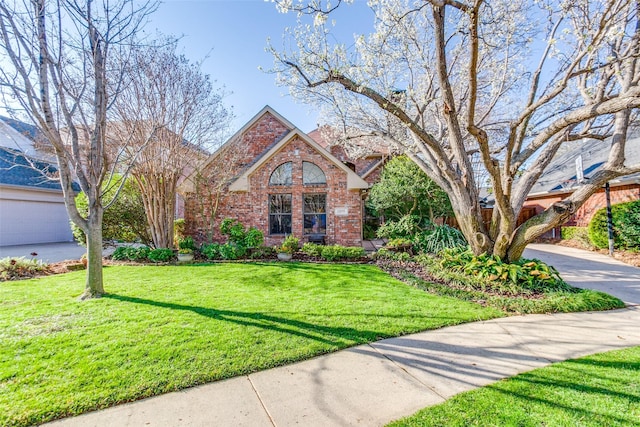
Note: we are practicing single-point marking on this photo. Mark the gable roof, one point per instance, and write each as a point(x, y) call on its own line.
point(241, 182)
point(560, 175)
point(20, 170)
point(354, 182)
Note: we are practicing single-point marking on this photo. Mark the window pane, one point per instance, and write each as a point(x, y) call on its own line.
point(312, 174)
point(280, 214)
point(281, 175)
point(280, 203)
point(280, 224)
point(315, 217)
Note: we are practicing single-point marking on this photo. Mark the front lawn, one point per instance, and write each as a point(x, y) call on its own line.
point(166, 328)
point(598, 390)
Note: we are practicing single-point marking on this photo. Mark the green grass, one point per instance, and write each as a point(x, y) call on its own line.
point(165, 328)
point(599, 390)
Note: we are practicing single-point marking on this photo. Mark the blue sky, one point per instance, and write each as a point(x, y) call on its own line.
point(234, 33)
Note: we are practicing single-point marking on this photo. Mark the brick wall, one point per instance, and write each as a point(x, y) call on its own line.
point(583, 215)
point(252, 208)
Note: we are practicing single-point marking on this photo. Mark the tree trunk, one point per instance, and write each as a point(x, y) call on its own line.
point(94, 282)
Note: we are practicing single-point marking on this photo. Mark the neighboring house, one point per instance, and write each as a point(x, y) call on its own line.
point(560, 178)
point(272, 176)
point(32, 207)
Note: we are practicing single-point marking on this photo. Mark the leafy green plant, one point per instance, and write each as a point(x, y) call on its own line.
point(384, 253)
point(231, 251)
point(404, 189)
point(577, 234)
point(124, 220)
point(405, 227)
point(161, 255)
point(262, 252)
point(312, 249)
point(290, 245)
point(438, 238)
point(20, 268)
point(338, 252)
point(253, 238)
point(211, 250)
point(626, 226)
point(533, 275)
point(399, 242)
point(629, 226)
point(187, 243)
point(130, 253)
point(185, 251)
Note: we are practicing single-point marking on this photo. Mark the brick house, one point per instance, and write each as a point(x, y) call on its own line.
point(272, 176)
point(560, 179)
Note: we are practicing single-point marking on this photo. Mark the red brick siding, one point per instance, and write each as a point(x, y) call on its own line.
point(251, 208)
point(262, 135)
point(597, 201)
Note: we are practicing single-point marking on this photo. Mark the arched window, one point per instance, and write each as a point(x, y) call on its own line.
point(281, 175)
point(312, 174)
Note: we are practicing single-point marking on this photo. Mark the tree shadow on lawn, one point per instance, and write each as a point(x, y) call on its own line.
point(575, 390)
point(265, 321)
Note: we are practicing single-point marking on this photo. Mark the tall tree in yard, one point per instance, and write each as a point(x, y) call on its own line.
point(501, 83)
point(62, 63)
point(169, 114)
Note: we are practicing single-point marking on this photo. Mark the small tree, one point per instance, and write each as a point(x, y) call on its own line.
point(169, 114)
point(63, 62)
point(404, 189)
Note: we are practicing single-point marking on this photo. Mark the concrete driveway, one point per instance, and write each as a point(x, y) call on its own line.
point(591, 270)
point(47, 252)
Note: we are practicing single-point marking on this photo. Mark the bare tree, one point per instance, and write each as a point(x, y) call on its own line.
point(505, 82)
point(63, 61)
point(170, 114)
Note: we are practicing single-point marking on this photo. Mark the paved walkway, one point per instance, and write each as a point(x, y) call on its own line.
point(373, 384)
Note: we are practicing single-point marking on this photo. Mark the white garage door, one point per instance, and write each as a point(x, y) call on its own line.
point(29, 221)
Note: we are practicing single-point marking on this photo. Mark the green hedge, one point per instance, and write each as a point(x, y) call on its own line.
point(626, 226)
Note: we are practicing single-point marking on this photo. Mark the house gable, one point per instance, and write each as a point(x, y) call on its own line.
point(242, 183)
point(256, 137)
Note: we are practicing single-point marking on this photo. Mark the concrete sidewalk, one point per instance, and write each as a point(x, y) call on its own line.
point(373, 384)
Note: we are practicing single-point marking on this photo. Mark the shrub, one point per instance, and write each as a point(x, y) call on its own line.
point(262, 252)
point(290, 245)
point(399, 242)
point(253, 238)
point(437, 239)
point(161, 255)
point(312, 249)
point(239, 236)
point(211, 251)
point(130, 253)
point(124, 220)
point(577, 234)
point(231, 251)
point(598, 231)
point(626, 226)
point(336, 252)
point(384, 253)
point(629, 226)
point(405, 227)
point(18, 268)
point(187, 243)
point(533, 275)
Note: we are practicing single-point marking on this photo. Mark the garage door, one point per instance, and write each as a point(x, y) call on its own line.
point(25, 222)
